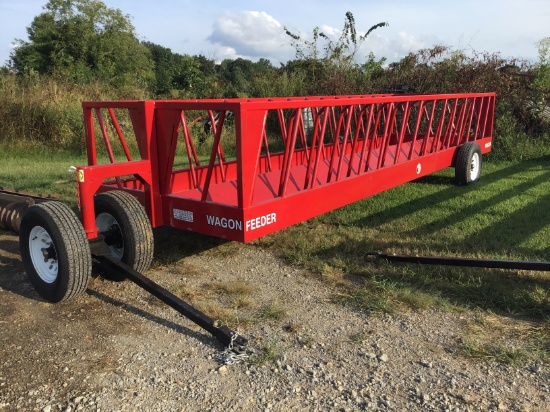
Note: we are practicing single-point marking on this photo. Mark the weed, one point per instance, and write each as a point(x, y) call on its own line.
point(291, 327)
point(242, 302)
point(268, 353)
point(272, 311)
point(183, 292)
point(364, 299)
point(224, 315)
point(500, 354)
point(237, 287)
point(506, 339)
point(305, 340)
point(358, 338)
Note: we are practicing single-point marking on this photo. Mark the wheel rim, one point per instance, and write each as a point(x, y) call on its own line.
point(43, 254)
point(108, 225)
point(474, 167)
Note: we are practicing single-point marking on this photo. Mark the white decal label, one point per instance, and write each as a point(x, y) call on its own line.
point(487, 145)
point(418, 168)
point(261, 221)
point(224, 222)
point(185, 215)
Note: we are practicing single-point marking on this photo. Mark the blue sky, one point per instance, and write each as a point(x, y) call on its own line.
point(254, 29)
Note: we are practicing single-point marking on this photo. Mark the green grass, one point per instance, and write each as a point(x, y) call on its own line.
point(269, 353)
point(40, 170)
point(272, 311)
point(504, 216)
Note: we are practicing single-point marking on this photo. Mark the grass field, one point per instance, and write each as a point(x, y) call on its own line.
point(505, 216)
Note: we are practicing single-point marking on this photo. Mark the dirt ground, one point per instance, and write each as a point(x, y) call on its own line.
point(117, 348)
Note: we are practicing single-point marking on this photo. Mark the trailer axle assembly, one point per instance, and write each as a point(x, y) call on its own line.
point(13, 206)
point(465, 262)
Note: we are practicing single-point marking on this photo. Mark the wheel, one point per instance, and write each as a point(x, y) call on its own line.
point(55, 251)
point(125, 228)
point(468, 164)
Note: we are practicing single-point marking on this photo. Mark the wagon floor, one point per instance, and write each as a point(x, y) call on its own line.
point(268, 185)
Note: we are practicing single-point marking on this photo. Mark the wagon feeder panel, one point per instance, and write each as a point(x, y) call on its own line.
point(284, 160)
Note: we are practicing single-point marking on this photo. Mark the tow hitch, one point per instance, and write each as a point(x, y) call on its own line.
point(222, 333)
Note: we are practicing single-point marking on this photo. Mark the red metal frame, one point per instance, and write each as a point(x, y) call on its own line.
point(295, 158)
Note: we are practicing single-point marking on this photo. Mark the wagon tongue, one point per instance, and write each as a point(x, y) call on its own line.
point(229, 338)
point(235, 343)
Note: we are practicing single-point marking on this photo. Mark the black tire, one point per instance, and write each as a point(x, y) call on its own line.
point(63, 269)
point(468, 164)
point(126, 228)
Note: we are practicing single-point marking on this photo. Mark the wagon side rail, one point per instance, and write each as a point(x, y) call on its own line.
point(354, 136)
point(304, 156)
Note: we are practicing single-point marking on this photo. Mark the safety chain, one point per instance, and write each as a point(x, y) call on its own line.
point(231, 355)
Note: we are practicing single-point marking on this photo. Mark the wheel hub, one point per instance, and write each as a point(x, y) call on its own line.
point(112, 234)
point(49, 253)
point(474, 167)
point(113, 237)
point(43, 254)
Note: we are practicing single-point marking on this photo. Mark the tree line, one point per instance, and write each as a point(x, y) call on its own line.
point(84, 41)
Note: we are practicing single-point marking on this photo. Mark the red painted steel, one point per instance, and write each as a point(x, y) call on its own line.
point(274, 162)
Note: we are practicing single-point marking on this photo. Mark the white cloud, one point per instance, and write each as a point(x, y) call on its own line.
point(409, 42)
point(251, 34)
point(395, 46)
point(330, 31)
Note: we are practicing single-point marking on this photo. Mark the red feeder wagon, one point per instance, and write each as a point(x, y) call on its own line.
point(332, 151)
point(270, 163)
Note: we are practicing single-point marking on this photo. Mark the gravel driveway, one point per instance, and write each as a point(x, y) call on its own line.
point(115, 348)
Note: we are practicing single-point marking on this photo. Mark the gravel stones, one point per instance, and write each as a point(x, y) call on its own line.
point(125, 352)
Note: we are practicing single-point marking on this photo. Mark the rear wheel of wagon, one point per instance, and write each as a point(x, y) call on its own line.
point(125, 228)
point(468, 164)
point(55, 251)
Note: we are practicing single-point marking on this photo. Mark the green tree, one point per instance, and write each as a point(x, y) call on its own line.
point(188, 76)
point(207, 65)
point(84, 40)
point(165, 70)
point(237, 76)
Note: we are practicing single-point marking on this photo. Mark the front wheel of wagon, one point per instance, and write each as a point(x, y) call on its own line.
point(55, 251)
point(125, 228)
point(468, 164)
